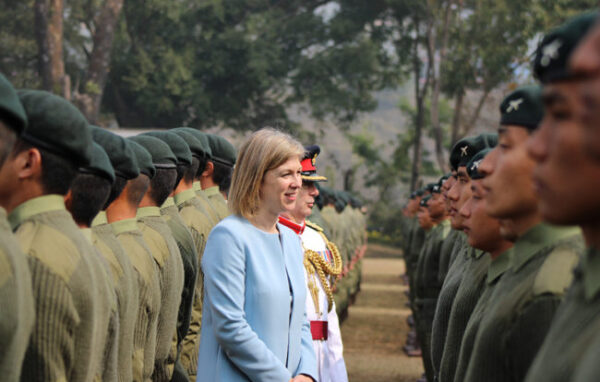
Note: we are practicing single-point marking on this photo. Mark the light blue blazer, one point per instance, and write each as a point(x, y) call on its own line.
point(254, 327)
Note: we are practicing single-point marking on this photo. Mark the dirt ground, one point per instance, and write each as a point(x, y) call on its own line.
point(376, 328)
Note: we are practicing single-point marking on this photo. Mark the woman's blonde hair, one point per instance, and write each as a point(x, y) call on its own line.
point(264, 150)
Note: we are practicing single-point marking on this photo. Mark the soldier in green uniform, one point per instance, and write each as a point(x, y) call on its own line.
point(106, 242)
point(38, 173)
point(204, 156)
point(523, 304)
point(200, 224)
point(163, 247)
point(16, 302)
point(121, 215)
point(216, 177)
point(570, 177)
point(461, 252)
point(185, 242)
point(483, 233)
point(87, 194)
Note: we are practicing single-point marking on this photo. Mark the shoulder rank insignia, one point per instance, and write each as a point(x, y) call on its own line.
point(313, 226)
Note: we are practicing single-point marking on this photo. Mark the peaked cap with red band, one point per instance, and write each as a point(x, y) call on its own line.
point(309, 171)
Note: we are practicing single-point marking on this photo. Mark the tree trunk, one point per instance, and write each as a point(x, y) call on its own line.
point(456, 118)
point(95, 79)
point(49, 39)
point(469, 126)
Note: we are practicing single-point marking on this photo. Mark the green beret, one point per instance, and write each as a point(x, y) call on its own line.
point(177, 145)
point(143, 158)
point(551, 62)
point(463, 150)
point(222, 151)
point(429, 187)
point(119, 151)
point(420, 192)
point(11, 110)
point(162, 156)
point(54, 124)
point(425, 201)
point(473, 165)
point(99, 164)
point(523, 107)
point(200, 145)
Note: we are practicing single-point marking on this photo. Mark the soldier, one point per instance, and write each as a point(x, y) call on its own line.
point(87, 194)
point(16, 303)
point(38, 173)
point(483, 233)
point(322, 262)
point(121, 214)
point(164, 249)
point(216, 176)
point(567, 179)
point(185, 242)
point(204, 156)
point(200, 223)
point(461, 252)
point(521, 309)
point(107, 243)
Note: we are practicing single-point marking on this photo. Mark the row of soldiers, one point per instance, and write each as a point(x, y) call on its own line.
point(501, 284)
point(101, 240)
point(343, 219)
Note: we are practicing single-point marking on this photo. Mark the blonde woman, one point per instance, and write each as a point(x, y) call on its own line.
point(254, 325)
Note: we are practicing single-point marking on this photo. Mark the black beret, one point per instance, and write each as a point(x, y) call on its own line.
point(429, 187)
point(420, 192)
point(201, 139)
point(424, 201)
point(11, 110)
point(523, 107)
point(119, 151)
point(162, 156)
point(100, 164)
point(413, 195)
point(222, 151)
point(463, 150)
point(54, 124)
point(473, 165)
point(177, 145)
point(143, 158)
point(551, 62)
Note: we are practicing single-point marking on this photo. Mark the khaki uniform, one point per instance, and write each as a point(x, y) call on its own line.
point(16, 302)
point(126, 289)
point(206, 204)
point(197, 221)
point(63, 343)
point(523, 304)
point(217, 201)
point(148, 286)
point(163, 247)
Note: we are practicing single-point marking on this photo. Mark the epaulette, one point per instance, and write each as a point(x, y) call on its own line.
point(313, 226)
point(555, 274)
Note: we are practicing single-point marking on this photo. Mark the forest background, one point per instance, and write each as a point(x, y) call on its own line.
point(384, 86)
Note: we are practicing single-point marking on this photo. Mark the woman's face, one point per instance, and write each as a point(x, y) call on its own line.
point(280, 187)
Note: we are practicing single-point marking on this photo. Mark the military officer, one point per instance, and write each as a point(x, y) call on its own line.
point(38, 173)
point(216, 177)
point(322, 262)
point(568, 178)
point(121, 215)
point(17, 302)
point(527, 295)
point(163, 247)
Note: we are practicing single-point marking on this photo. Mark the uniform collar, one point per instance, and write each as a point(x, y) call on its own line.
point(196, 186)
point(168, 203)
point(211, 191)
point(537, 238)
point(499, 265)
point(144, 212)
point(126, 225)
point(298, 228)
point(100, 219)
point(184, 196)
point(35, 206)
point(590, 268)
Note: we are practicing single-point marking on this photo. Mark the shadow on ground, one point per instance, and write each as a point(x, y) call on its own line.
point(376, 326)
